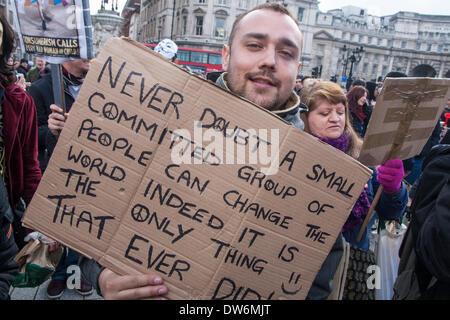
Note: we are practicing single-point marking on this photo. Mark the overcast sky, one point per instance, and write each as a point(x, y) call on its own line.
point(387, 7)
point(374, 7)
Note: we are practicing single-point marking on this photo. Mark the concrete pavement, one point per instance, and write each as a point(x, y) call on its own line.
point(39, 293)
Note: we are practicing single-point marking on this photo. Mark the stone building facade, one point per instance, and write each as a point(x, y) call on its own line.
point(105, 24)
point(413, 43)
point(206, 24)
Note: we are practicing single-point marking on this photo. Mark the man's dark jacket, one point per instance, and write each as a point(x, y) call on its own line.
point(42, 93)
point(430, 224)
point(8, 247)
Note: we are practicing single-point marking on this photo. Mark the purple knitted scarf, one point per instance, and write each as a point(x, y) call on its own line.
point(362, 205)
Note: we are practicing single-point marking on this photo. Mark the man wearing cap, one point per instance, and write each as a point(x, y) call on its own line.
point(74, 73)
point(23, 67)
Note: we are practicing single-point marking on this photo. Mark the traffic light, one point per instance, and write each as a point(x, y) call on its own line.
point(315, 72)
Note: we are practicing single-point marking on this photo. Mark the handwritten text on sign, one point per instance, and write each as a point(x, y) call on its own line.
point(212, 228)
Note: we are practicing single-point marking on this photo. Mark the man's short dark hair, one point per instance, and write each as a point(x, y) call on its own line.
point(305, 77)
point(359, 82)
point(23, 60)
point(396, 74)
point(274, 6)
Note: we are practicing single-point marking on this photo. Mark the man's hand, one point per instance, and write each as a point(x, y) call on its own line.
point(56, 119)
point(133, 287)
point(22, 83)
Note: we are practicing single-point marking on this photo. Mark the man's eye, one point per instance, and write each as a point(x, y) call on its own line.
point(253, 45)
point(286, 53)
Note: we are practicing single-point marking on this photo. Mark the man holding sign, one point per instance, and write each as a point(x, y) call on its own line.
point(74, 74)
point(261, 62)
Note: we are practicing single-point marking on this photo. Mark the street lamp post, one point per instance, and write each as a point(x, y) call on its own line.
point(345, 56)
point(354, 57)
point(173, 19)
point(159, 32)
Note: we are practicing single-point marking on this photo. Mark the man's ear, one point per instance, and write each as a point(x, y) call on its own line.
point(225, 57)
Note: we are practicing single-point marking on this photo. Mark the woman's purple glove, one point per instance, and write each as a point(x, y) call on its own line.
point(390, 175)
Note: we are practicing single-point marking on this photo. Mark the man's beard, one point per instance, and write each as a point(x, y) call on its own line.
point(256, 95)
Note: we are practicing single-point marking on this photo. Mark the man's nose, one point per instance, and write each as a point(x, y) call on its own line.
point(268, 59)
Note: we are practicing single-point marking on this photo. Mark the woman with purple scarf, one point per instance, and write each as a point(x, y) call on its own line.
point(328, 120)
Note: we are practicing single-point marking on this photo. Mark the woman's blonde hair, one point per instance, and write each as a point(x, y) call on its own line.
point(320, 91)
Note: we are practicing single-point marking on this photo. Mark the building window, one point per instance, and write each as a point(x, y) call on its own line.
point(418, 45)
point(199, 26)
point(389, 44)
point(202, 1)
point(439, 48)
point(184, 25)
point(379, 41)
point(365, 66)
point(319, 61)
point(220, 27)
point(429, 47)
point(243, 4)
point(321, 48)
point(369, 40)
point(199, 57)
point(403, 44)
point(300, 14)
point(215, 58)
point(183, 55)
point(374, 69)
point(222, 2)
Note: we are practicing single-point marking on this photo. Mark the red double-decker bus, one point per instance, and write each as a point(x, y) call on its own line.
point(200, 61)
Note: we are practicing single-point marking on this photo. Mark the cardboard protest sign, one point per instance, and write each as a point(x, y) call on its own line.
point(146, 178)
point(57, 30)
point(403, 119)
